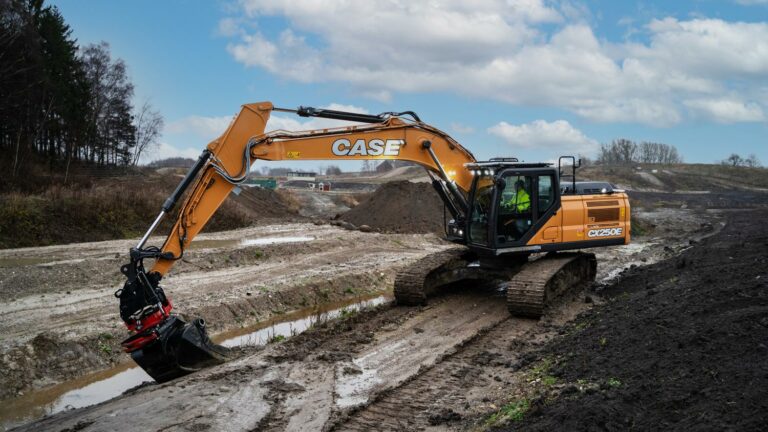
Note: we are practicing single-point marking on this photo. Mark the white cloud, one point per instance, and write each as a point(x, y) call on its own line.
point(752, 2)
point(501, 50)
point(229, 27)
point(726, 110)
point(165, 150)
point(295, 123)
point(462, 128)
point(558, 136)
point(207, 128)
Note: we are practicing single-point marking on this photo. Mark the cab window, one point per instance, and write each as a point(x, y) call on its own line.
point(515, 207)
point(546, 195)
point(481, 210)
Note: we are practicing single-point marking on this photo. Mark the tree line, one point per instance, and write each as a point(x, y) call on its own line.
point(736, 160)
point(624, 152)
point(62, 101)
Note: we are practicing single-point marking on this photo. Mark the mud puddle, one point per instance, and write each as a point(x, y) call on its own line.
point(196, 245)
point(293, 323)
point(232, 243)
point(21, 262)
point(104, 385)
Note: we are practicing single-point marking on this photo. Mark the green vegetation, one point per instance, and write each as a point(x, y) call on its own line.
point(614, 382)
point(398, 242)
point(276, 339)
point(513, 411)
point(347, 313)
point(639, 227)
point(65, 102)
point(542, 368)
point(549, 380)
point(103, 343)
point(108, 211)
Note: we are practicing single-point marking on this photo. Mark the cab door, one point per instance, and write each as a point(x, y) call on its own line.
point(525, 201)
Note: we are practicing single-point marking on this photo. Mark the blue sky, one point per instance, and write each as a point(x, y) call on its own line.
point(527, 78)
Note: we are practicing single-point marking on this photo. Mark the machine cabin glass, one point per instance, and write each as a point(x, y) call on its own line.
point(515, 214)
point(524, 200)
point(507, 207)
point(482, 201)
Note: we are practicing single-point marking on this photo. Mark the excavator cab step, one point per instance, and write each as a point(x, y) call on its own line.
point(175, 348)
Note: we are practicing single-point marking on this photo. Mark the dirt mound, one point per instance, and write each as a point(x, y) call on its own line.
point(681, 344)
point(400, 207)
point(266, 203)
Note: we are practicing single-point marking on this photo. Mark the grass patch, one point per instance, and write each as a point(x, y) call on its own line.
point(346, 313)
point(513, 411)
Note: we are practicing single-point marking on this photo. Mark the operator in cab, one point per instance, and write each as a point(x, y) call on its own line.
point(515, 206)
point(519, 201)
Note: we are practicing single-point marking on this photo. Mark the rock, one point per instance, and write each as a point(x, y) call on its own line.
point(365, 228)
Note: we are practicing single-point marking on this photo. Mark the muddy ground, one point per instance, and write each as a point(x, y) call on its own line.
point(58, 317)
point(680, 345)
point(450, 365)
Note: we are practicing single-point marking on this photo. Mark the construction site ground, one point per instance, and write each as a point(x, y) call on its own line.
point(461, 362)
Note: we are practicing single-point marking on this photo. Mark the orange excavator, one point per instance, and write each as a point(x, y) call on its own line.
point(515, 221)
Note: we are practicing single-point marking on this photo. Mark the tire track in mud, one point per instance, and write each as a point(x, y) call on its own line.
point(455, 386)
point(297, 385)
point(462, 383)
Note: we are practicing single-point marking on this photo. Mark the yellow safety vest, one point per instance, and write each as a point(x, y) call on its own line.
point(522, 200)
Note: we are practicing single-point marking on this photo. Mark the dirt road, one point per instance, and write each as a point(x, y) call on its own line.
point(58, 316)
point(376, 367)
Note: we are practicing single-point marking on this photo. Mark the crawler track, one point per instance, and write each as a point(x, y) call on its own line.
point(418, 281)
point(541, 282)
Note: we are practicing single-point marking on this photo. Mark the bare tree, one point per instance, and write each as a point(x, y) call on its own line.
point(585, 160)
point(752, 161)
point(149, 125)
point(624, 151)
point(733, 160)
point(332, 170)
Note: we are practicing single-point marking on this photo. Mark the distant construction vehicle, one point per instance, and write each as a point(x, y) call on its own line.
point(503, 212)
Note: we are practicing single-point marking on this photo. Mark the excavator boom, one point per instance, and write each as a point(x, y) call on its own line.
point(163, 344)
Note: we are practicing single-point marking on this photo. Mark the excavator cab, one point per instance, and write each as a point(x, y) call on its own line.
point(509, 202)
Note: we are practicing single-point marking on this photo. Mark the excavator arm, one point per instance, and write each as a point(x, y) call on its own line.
point(162, 343)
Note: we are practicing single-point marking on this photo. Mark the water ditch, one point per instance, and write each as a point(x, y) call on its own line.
point(104, 385)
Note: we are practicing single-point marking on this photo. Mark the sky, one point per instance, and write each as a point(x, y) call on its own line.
point(533, 79)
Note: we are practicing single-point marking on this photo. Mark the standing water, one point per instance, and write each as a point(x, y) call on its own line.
point(104, 385)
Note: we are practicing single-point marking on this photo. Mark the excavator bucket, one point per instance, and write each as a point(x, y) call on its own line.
point(175, 348)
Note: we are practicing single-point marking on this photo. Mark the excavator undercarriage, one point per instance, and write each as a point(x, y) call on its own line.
point(531, 286)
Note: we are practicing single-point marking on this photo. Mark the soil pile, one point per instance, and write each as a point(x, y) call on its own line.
point(680, 345)
point(260, 203)
point(400, 207)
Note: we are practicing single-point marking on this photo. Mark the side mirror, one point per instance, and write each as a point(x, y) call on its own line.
point(501, 183)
